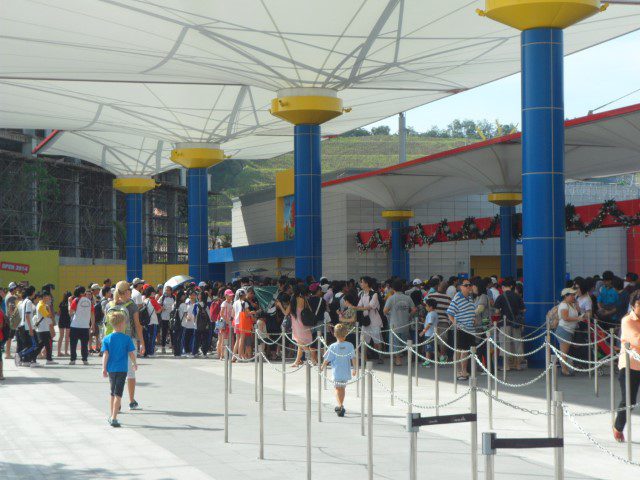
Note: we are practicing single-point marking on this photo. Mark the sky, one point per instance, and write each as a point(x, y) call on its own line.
point(593, 77)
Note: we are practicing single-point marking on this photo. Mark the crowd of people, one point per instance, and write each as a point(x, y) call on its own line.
point(211, 318)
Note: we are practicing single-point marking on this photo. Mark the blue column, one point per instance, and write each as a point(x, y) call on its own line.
point(307, 201)
point(134, 235)
point(198, 223)
point(508, 259)
point(543, 222)
point(399, 255)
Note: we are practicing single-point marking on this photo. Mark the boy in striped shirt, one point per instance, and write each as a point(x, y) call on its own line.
point(462, 313)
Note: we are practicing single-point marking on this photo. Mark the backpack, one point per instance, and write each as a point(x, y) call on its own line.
point(214, 310)
point(120, 308)
point(553, 317)
point(334, 308)
point(307, 316)
point(202, 320)
point(98, 313)
point(175, 322)
point(143, 314)
point(14, 320)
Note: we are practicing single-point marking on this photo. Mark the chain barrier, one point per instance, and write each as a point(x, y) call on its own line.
point(521, 339)
point(601, 447)
point(512, 354)
point(396, 352)
point(576, 344)
point(531, 411)
point(596, 365)
point(415, 345)
point(279, 370)
point(238, 358)
point(457, 349)
point(340, 384)
point(512, 385)
point(414, 405)
point(452, 362)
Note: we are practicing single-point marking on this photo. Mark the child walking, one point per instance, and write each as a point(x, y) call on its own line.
point(116, 347)
point(430, 323)
point(341, 357)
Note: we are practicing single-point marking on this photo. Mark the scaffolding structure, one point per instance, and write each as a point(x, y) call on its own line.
point(68, 205)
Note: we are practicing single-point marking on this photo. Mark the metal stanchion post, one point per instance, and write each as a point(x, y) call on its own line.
point(612, 392)
point(436, 378)
point(308, 377)
point(232, 341)
point(595, 357)
point(589, 347)
point(319, 379)
point(357, 359)
point(627, 397)
point(283, 348)
point(392, 362)
point(489, 384)
point(505, 359)
point(363, 347)
point(416, 357)
point(489, 455)
point(409, 375)
point(474, 410)
point(559, 433)
point(495, 358)
point(370, 420)
point(255, 364)
point(455, 355)
point(547, 363)
point(261, 410)
point(413, 455)
point(226, 392)
point(554, 373)
point(324, 336)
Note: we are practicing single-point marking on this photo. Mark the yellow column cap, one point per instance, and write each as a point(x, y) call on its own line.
point(528, 14)
point(134, 184)
point(505, 199)
point(397, 215)
point(307, 106)
point(197, 155)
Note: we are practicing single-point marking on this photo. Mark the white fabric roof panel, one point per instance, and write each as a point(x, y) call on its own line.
point(189, 70)
point(598, 145)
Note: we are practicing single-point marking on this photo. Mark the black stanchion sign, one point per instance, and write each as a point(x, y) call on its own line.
point(491, 443)
point(415, 420)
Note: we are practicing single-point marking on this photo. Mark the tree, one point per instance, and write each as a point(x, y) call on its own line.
point(381, 130)
point(358, 132)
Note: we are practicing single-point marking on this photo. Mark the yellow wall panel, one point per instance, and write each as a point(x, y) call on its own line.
point(37, 267)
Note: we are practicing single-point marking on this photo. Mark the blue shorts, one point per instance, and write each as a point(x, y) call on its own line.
point(429, 347)
point(564, 335)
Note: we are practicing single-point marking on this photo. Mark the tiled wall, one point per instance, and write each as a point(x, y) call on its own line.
point(345, 215)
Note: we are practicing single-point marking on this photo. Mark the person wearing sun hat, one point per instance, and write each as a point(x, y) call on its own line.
point(569, 318)
point(226, 317)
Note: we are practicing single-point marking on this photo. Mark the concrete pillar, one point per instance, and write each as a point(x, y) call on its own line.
point(543, 225)
point(197, 157)
point(307, 109)
point(133, 188)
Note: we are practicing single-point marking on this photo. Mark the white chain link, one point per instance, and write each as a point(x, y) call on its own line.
point(523, 339)
point(512, 354)
point(420, 407)
point(279, 370)
point(513, 385)
point(601, 447)
point(596, 365)
point(577, 344)
point(531, 411)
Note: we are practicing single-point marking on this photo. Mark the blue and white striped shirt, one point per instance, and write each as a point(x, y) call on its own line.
point(463, 310)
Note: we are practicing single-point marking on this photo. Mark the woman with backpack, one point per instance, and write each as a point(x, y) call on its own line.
point(64, 324)
point(203, 324)
point(300, 332)
point(187, 314)
point(167, 302)
point(175, 325)
point(369, 304)
point(568, 319)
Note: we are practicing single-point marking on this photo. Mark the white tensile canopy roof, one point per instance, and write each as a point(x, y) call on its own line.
point(597, 145)
point(139, 71)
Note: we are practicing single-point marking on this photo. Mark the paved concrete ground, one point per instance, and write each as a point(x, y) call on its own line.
point(54, 426)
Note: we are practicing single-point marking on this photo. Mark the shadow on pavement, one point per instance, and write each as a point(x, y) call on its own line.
point(57, 471)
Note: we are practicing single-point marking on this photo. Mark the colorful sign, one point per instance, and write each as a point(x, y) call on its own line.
point(15, 267)
point(289, 218)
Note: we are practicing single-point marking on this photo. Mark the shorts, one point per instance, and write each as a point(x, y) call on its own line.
point(372, 333)
point(116, 381)
point(238, 331)
point(131, 373)
point(429, 348)
point(465, 340)
point(564, 335)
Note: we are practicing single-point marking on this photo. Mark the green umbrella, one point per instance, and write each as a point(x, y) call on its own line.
point(266, 297)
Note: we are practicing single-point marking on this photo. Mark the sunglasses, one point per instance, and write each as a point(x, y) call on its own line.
point(465, 285)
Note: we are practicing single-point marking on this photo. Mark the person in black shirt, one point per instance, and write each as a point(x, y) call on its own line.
point(511, 307)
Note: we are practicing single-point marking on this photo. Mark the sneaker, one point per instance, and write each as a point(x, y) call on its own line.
point(443, 358)
point(342, 412)
point(72, 362)
point(618, 436)
point(85, 362)
point(134, 406)
point(34, 364)
point(337, 409)
point(114, 423)
point(16, 359)
point(51, 362)
point(426, 364)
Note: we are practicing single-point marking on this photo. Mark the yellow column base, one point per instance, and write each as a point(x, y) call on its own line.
point(505, 199)
point(528, 14)
point(134, 184)
point(306, 110)
point(397, 215)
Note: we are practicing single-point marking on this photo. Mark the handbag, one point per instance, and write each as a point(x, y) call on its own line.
point(307, 317)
